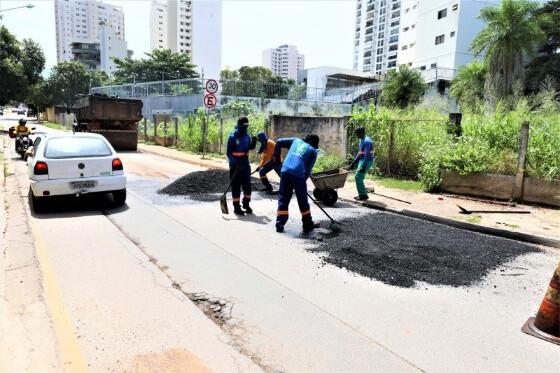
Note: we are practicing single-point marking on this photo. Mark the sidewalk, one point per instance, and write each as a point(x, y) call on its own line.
point(542, 222)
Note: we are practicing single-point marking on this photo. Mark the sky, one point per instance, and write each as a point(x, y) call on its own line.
point(322, 30)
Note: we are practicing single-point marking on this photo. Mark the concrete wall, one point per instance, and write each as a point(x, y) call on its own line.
point(535, 190)
point(331, 130)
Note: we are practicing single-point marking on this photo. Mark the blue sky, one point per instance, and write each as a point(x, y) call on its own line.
point(322, 30)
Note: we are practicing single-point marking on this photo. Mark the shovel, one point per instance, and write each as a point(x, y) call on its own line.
point(223, 200)
point(334, 225)
point(468, 212)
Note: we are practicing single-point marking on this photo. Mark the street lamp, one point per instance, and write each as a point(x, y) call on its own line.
point(28, 6)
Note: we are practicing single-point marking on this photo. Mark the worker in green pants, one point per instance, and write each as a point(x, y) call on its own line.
point(362, 162)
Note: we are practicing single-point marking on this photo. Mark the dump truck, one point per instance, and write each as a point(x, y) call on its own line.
point(113, 117)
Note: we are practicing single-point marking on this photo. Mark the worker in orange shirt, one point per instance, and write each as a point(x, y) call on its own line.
point(266, 165)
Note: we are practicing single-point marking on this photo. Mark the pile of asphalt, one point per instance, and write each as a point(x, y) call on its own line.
point(200, 185)
point(400, 251)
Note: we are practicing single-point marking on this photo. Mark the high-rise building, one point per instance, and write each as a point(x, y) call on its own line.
point(284, 61)
point(189, 26)
point(438, 33)
point(376, 40)
point(80, 27)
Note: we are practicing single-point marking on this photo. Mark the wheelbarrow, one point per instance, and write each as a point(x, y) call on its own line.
point(326, 184)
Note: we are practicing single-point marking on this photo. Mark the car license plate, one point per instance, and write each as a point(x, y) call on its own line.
point(81, 185)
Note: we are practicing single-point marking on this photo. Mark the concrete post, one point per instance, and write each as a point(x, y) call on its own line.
point(523, 142)
point(155, 128)
point(176, 122)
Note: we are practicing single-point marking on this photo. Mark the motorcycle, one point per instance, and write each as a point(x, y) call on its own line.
point(23, 142)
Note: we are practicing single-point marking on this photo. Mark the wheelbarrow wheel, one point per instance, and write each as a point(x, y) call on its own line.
point(330, 197)
point(318, 194)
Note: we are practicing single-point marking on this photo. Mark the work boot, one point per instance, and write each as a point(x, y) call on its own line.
point(309, 225)
point(268, 189)
point(248, 209)
point(279, 229)
point(361, 198)
point(238, 211)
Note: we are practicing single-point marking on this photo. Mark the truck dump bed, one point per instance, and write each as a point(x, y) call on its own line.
point(115, 118)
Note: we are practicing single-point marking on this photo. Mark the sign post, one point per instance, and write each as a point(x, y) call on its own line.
point(210, 101)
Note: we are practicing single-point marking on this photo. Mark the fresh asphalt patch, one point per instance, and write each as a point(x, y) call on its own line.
point(401, 251)
point(203, 186)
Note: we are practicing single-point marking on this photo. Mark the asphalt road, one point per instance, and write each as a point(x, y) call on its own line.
point(169, 284)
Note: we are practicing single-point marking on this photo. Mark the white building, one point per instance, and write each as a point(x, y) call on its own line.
point(189, 26)
point(438, 33)
point(284, 61)
point(376, 39)
point(110, 46)
point(82, 22)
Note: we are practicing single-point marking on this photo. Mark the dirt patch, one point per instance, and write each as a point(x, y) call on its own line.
point(172, 360)
point(400, 251)
point(201, 185)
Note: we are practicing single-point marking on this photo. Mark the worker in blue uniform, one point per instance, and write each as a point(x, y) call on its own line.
point(296, 169)
point(363, 161)
point(238, 146)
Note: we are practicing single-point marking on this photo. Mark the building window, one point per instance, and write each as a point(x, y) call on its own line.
point(405, 47)
point(405, 29)
point(455, 6)
point(452, 34)
point(422, 68)
point(442, 13)
point(433, 66)
point(440, 39)
point(392, 64)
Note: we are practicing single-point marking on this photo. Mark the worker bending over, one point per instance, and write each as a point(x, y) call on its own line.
point(362, 162)
point(295, 171)
point(266, 165)
point(238, 146)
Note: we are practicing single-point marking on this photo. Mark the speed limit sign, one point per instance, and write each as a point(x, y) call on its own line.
point(210, 101)
point(212, 86)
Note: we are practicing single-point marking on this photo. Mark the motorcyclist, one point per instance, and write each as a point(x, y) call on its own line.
point(21, 131)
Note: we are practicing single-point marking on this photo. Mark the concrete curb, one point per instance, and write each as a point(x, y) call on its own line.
point(517, 236)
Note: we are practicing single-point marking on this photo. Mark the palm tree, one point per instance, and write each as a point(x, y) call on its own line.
point(468, 86)
point(511, 33)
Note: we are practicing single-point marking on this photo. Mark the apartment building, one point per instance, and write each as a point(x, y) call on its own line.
point(376, 40)
point(284, 61)
point(189, 26)
point(80, 27)
point(438, 33)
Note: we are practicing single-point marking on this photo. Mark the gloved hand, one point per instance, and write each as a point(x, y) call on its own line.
point(352, 165)
point(253, 142)
point(258, 169)
point(362, 170)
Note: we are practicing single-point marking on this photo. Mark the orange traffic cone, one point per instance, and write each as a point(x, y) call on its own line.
point(546, 325)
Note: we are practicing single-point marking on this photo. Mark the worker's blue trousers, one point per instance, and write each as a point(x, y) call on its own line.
point(241, 180)
point(289, 183)
point(265, 170)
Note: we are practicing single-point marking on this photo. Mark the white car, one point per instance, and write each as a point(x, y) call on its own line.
point(73, 164)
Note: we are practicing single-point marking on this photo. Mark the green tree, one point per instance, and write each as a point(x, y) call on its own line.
point(403, 87)
point(254, 81)
point(69, 79)
point(159, 64)
point(33, 60)
point(547, 62)
point(510, 34)
point(12, 75)
point(468, 86)
point(40, 96)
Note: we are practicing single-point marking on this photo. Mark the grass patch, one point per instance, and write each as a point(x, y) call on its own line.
point(408, 185)
point(475, 219)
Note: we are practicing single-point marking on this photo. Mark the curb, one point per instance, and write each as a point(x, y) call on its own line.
point(517, 236)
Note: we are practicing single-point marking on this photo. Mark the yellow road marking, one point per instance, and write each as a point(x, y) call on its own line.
point(72, 357)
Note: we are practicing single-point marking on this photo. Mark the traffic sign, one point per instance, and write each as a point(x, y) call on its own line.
point(210, 101)
point(212, 86)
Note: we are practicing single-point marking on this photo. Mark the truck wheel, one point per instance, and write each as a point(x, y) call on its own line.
point(37, 204)
point(119, 197)
point(330, 197)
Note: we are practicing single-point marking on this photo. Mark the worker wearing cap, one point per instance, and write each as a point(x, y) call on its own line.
point(266, 165)
point(238, 146)
point(296, 169)
point(362, 162)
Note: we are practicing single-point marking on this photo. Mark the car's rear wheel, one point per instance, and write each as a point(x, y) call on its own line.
point(119, 197)
point(38, 204)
